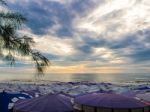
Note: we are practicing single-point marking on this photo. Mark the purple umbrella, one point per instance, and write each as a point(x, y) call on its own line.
point(47, 103)
point(106, 100)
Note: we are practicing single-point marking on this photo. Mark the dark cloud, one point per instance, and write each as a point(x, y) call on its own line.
point(45, 14)
point(51, 56)
point(140, 55)
point(123, 43)
point(64, 32)
point(139, 52)
point(80, 6)
point(86, 48)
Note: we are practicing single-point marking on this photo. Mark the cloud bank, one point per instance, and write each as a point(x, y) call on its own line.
point(94, 34)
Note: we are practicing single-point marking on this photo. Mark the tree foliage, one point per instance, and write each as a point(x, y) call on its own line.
point(12, 45)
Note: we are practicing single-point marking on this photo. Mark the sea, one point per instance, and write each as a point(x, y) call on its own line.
point(79, 77)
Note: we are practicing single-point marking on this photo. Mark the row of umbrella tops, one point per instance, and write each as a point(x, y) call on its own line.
point(62, 103)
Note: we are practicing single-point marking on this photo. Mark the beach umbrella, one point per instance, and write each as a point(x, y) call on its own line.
point(46, 103)
point(109, 102)
point(73, 96)
point(131, 93)
point(7, 100)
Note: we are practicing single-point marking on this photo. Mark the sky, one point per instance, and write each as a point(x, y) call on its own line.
point(88, 36)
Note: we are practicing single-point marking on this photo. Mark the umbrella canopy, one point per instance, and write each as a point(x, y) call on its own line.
point(131, 93)
point(107, 100)
point(46, 103)
point(7, 100)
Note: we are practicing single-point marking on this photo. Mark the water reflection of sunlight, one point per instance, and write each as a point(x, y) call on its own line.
point(101, 77)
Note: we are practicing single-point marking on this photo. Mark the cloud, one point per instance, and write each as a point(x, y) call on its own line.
point(115, 19)
point(44, 15)
point(95, 33)
point(54, 46)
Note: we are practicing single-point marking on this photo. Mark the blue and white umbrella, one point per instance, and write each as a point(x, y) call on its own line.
point(7, 100)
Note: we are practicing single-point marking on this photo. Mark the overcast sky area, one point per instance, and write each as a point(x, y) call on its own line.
point(89, 35)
